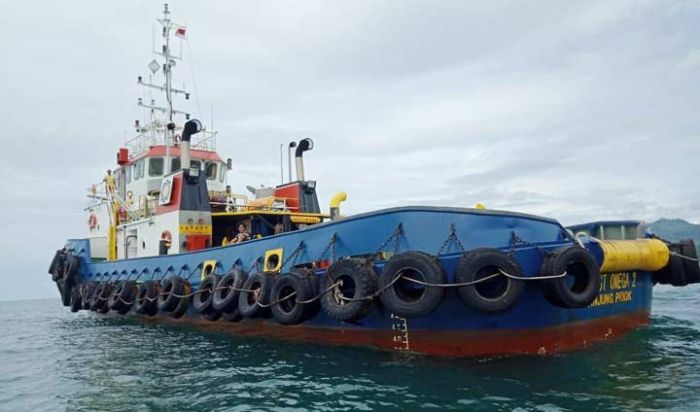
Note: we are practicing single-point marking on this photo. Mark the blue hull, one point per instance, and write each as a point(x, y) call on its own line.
point(533, 325)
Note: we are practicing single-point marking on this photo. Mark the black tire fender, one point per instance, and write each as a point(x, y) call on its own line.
point(86, 292)
point(313, 281)
point(691, 268)
point(168, 298)
point(289, 311)
point(496, 295)
point(122, 297)
point(202, 300)
point(56, 266)
point(70, 270)
point(674, 271)
point(146, 300)
point(356, 280)
point(580, 266)
point(76, 299)
point(405, 298)
point(233, 316)
point(103, 294)
point(65, 291)
point(261, 283)
point(182, 302)
point(226, 296)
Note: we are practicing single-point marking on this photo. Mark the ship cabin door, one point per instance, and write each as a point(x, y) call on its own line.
point(131, 246)
point(121, 182)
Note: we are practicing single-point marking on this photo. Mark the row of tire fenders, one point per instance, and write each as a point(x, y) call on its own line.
point(411, 285)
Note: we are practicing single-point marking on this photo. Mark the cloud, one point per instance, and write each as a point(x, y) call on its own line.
point(578, 111)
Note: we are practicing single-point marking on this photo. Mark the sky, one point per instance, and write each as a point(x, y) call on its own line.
point(579, 111)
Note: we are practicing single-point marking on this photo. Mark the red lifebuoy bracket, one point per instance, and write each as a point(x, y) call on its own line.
point(121, 215)
point(167, 237)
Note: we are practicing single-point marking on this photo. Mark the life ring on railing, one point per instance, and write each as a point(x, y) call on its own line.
point(122, 215)
point(497, 294)
point(167, 237)
point(405, 297)
point(580, 286)
point(92, 221)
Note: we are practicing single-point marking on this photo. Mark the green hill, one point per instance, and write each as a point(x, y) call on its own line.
point(675, 229)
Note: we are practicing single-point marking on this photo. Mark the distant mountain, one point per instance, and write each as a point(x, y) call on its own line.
point(675, 229)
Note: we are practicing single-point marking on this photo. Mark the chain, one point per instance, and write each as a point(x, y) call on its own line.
point(393, 237)
point(331, 244)
point(515, 240)
point(451, 237)
point(295, 254)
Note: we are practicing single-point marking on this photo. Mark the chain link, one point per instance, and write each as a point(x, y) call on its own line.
point(395, 236)
point(451, 237)
point(295, 254)
point(515, 240)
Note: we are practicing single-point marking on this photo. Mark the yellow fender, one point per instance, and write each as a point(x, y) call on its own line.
point(640, 254)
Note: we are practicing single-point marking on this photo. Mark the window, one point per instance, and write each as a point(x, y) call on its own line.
point(141, 167)
point(155, 166)
point(211, 170)
point(127, 171)
point(135, 166)
point(223, 173)
point(176, 164)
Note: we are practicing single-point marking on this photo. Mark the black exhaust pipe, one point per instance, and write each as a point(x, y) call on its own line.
point(303, 146)
point(192, 127)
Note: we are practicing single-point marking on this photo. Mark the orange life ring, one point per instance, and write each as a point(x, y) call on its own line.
point(167, 237)
point(122, 215)
point(92, 221)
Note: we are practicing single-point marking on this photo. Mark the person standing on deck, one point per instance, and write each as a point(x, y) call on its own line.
point(110, 183)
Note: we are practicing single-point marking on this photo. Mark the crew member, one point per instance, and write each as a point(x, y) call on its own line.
point(242, 235)
point(110, 183)
point(229, 238)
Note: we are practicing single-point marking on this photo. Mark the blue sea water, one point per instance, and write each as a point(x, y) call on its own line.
point(52, 360)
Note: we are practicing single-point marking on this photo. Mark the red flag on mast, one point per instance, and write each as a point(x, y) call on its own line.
point(180, 32)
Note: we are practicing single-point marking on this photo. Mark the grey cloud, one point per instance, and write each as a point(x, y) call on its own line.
point(578, 111)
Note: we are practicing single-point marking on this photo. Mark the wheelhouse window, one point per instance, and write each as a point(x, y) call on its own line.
point(155, 166)
point(211, 170)
point(176, 164)
point(142, 167)
point(127, 172)
point(222, 176)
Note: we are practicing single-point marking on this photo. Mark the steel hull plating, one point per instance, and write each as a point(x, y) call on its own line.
point(532, 326)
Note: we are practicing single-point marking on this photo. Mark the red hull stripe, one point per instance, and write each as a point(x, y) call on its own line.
point(540, 341)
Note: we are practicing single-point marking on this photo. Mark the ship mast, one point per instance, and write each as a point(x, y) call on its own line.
point(158, 131)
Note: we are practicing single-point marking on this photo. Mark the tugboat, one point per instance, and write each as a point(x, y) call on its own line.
point(168, 239)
